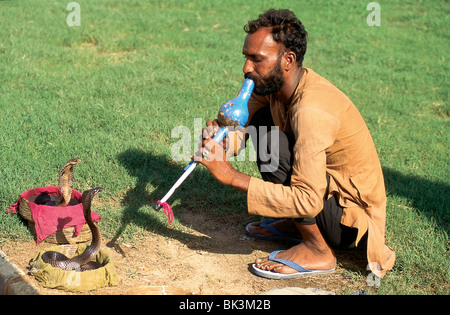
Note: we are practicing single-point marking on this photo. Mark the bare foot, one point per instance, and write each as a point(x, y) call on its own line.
point(312, 253)
point(285, 226)
point(302, 256)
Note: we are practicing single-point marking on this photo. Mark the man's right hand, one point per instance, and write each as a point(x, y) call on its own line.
point(212, 127)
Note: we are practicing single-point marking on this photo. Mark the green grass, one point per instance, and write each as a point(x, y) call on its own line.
point(112, 90)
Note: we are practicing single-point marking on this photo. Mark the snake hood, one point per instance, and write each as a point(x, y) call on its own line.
point(66, 181)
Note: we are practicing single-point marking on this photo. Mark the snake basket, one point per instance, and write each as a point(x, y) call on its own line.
point(63, 236)
point(74, 281)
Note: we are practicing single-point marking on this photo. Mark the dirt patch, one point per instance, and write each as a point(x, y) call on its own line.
point(214, 258)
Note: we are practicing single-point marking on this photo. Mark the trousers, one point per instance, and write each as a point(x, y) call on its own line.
point(337, 235)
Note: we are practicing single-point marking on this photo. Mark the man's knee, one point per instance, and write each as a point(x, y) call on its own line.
point(274, 157)
point(273, 148)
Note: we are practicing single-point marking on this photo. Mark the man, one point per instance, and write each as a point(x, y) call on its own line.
point(328, 186)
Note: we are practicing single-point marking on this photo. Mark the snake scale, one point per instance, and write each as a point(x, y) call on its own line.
point(82, 262)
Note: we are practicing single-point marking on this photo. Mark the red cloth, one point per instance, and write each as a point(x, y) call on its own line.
point(49, 219)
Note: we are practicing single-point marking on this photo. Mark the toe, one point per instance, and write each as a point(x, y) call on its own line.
point(260, 261)
point(284, 269)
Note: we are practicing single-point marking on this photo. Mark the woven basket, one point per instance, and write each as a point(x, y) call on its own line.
point(25, 211)
point(65, 236)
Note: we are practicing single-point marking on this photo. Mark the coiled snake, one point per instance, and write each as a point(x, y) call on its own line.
point(82, 262)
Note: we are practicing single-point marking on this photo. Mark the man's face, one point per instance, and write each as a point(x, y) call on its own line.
point(263, 62)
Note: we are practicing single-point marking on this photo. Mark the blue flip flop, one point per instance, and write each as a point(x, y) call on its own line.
point(301, 272)
point(278, 236)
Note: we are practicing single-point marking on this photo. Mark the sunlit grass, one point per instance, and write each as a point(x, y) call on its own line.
point(112, 90)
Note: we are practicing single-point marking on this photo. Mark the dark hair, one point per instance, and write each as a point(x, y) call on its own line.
point(286, 29)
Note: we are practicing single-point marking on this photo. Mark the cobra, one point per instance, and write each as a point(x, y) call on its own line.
point(65, 183)
point(82, 262)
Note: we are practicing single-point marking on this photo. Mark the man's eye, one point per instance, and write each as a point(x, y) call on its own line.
point(254, 59)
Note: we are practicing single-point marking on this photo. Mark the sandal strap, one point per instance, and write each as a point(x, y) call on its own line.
point(286, 262)
point(267, 225)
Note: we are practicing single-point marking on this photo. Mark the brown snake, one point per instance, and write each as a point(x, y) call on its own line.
point(82, 262)
point(65, 183)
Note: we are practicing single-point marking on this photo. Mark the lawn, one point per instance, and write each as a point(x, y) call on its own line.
point(112, 90)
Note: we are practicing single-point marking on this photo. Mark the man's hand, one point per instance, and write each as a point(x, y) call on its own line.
point(212, 155)
point(212, 127)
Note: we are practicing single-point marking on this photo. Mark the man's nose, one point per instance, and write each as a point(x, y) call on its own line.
point(248, 66)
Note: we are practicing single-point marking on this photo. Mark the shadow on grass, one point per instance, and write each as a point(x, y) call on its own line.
point(431, 199)
point(201, 192)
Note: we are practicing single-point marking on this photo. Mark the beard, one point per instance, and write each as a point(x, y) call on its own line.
point(271, 84)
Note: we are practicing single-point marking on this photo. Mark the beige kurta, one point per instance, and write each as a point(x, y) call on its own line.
point(330, 137)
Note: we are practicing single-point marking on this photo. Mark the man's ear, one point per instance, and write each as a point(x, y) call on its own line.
point(290, 60)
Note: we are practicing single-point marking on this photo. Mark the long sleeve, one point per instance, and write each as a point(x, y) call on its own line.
point(315, 131)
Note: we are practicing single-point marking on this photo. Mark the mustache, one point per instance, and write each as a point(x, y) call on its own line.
point(249, 76)
point(258, 81)
point(272, 83)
